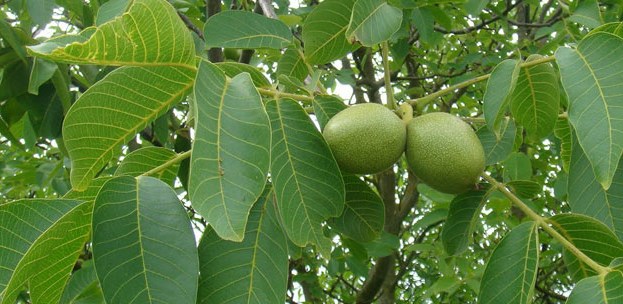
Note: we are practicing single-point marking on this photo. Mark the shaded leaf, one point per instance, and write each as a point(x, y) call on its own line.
point(590, 236)
point(586, 196)
point(373, 21)
point(615, 28)
point(253, 271)
point(535, 99)
point(40, 11)
point(498, 150)
point(500, 85)
point(149, 32)
point(292, 64)
point(325, 106)
point(474, 7)
point(517, 166)
point(83, 287)
point(41, 240)
point(562, 130)
point(510, 274)
point(424, 21)
point(110, 10)
point(230, 158)
point(232, 69)
point(145, 159)
point(113, 110)
point(591, 76)
point(143, 244)
point(602, 289)
point(42, 71)
point(308, 184)
point(323, 31)
point(251, 31)
point(456, 233)
point(364, 213)
point(525, 188)
point(8, 35)
point(587, 13)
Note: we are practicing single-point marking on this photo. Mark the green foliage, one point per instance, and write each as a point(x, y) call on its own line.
point(141, 162)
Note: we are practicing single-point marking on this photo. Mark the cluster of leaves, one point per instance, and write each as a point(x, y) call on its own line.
point(257, 179)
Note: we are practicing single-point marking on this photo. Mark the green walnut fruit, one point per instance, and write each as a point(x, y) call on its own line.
point(444, 152)
point(365, 138)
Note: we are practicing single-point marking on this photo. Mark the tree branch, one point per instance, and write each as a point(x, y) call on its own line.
point(214, 7)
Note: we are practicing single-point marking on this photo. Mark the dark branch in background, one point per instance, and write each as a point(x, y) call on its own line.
point(245, 56)
point(479, 26)
point(190, 25)
point(213, 7)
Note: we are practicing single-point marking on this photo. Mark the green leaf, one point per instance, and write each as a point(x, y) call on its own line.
point(10, 37)
point(525, 188)
point(498, 93)
point(41, 240)
point(143, 244)
point(591, 77)
point(474, 7)
point(587, 13)
point(325, 106)
point(308, 184)
point(83, 287)
point(112, 111)
point(364, 212)
point(562, 130)
point(590, 236)
point(251, 31)
point(535, 99)
point(615, 28)
point(424, 21)
point(464, 212)
point(253, 271)
point(42, 71)
point(323, 31)
point(292, 64)
point(40, 11)
point(586, 196)
point(498, 150)
point(602, 289)
point(89, 194)
point(150, 32)
point(230, 158)
point(510, 274)
point(111, 10)
point(373, 21)
point(517, 166)
point(232, 69)
point(144, 159)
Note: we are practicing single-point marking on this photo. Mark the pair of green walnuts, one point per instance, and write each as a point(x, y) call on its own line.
point(442, 150)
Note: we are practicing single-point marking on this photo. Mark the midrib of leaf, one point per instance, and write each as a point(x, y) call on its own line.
point(295, 175)
point(258, 36)
point(136, 129)
point(527, 254)
point(603, 101)
point(218, 145)
point(363, 220)
point(532, 95)
point(257, 240)
point(366, 18)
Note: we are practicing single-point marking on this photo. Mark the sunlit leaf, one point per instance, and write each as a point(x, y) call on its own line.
point(323, 31)
point(373, 21)
point(41, 240)
point(587, 13)
point(149, 32)
point(364, 213)
point(462, 216)
point(562, 130)
point(253, 271)
point(143, 244)
point(251, 31)
point(145, 159)
point(498, 94)
point(535, 99)
point(112, 111)
point(308, 184)
point(511, 272)
point(230, 157)
point(591, 76)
